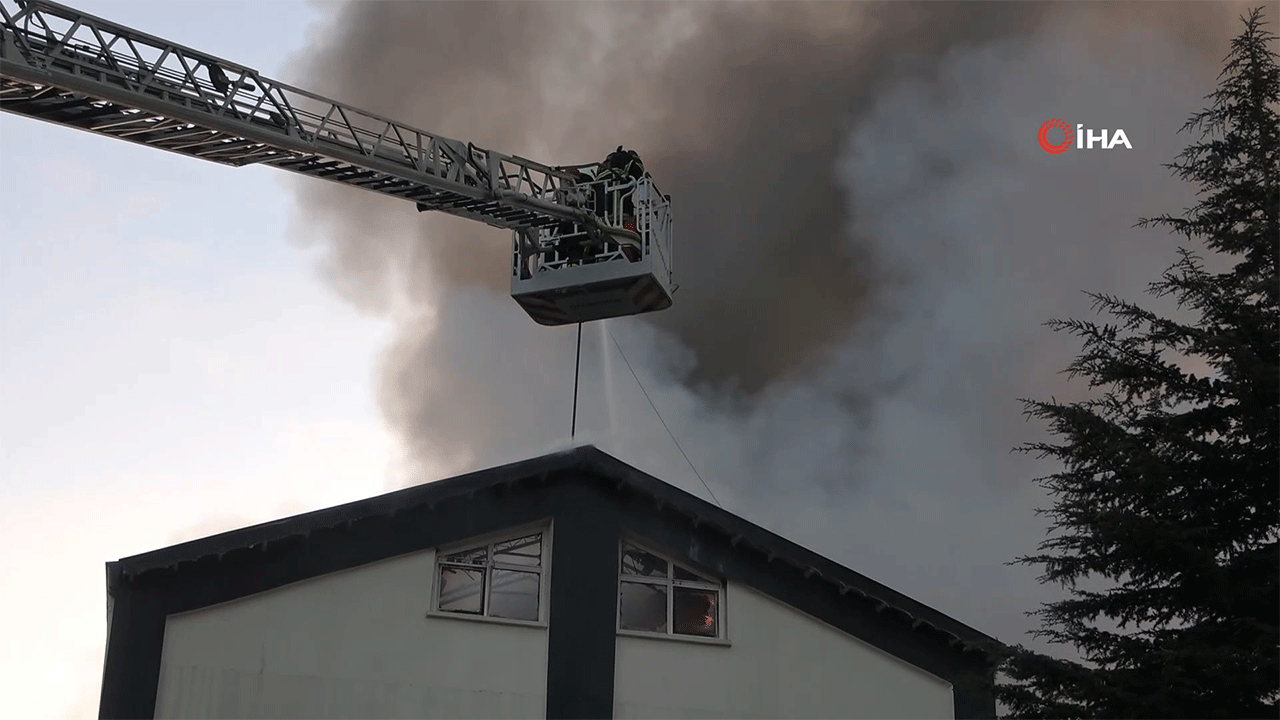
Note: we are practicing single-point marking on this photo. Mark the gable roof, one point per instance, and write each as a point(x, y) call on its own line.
point(594, 467)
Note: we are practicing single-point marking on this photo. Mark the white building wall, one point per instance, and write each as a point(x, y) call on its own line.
point(779, 663)
point(351, 644)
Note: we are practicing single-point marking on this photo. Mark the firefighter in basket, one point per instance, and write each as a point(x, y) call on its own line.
point(620, 168)
point(571, 244)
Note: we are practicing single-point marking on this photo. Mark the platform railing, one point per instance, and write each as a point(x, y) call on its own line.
point(570, 245)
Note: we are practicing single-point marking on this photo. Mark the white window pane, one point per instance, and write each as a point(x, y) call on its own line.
point(514, 595)
point(462, 590)
point(695, 612)
point(643, 607)
point(638, 562)
point(476, 556)
point(525, 551)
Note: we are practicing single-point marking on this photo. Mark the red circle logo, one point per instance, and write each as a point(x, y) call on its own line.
point(1068, 135)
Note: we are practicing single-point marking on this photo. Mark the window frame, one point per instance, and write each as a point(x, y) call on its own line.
point(487, 541)
point(719, 586)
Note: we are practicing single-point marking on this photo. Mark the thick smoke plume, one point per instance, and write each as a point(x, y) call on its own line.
point(742, 120)
point(869, 237)
point(741, 110)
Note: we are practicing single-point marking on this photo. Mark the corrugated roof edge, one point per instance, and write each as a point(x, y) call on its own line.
point(605, 469)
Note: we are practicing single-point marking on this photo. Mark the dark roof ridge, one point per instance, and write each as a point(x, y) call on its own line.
point(428, 493)
point(744, 532)
point(603, 468)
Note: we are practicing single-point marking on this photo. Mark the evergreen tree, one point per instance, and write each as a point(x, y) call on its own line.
point(1166, 510)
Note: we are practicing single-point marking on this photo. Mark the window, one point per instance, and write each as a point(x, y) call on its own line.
point(658, 596)
point(500, 579)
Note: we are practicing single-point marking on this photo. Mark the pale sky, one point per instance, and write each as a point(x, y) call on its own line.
point(173, 363)
point(170, 364)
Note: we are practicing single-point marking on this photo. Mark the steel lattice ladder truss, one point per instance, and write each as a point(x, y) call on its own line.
point(63, 66)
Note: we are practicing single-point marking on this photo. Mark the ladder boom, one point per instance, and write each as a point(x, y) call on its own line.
point(67, 67)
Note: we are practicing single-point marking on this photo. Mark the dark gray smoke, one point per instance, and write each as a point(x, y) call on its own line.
point(741, 121)
point(742, 118)
point(868, 240)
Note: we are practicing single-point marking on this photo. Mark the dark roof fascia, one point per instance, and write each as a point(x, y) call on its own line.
point(744, 534)
point(591, 463)
point(430, 494)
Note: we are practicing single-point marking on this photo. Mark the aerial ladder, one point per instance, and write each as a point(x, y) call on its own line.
point(583, 248)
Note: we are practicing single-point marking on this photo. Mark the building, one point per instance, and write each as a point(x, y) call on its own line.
point(567, 586)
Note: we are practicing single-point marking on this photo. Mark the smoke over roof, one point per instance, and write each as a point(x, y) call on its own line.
point(868, 238)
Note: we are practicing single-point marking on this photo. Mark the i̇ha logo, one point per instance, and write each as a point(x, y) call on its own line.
point(1079, 136)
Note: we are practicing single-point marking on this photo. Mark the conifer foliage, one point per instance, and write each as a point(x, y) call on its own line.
point(1165, 508)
